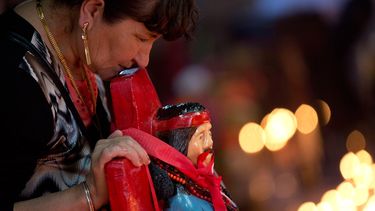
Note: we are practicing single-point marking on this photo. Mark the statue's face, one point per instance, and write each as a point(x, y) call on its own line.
point(200, 142)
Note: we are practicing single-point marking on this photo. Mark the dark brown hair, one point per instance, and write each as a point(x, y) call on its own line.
point(171, 18)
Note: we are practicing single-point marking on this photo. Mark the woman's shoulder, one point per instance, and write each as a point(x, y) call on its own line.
point(11, 52)
point(22, 50)
point(11, 21)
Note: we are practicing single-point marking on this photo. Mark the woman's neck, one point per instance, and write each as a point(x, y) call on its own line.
point(66, 35)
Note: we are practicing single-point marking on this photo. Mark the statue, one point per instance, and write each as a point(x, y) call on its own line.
point(178, 140)
point(187, 128)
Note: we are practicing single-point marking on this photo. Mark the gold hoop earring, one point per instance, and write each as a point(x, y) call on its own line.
point(85, 43)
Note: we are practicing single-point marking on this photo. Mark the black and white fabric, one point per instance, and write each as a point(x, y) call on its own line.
point(43, 149)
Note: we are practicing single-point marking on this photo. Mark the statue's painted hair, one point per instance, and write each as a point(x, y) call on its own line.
point(178, 138)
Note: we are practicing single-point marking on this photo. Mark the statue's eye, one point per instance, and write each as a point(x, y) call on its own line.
point(200, 136)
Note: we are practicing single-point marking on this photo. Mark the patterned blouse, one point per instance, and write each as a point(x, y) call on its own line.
point(43, 149)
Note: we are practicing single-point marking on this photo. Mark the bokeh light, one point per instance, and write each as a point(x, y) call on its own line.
point(360, 196)
point(356, 141)
point(280, 127)
point(264, 121)
point(364, 157)
point(307, 119)
point(307, 206)
point(325, 112)
point(324, 206)
point(370, 206)
point(372, 185)
point(331, 197)
point(251, 138)
point(364, 176)
point(346, 190)
point(349, 165)
point(356, 192)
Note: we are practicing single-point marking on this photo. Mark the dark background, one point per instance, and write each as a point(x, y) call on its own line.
point(250, 57)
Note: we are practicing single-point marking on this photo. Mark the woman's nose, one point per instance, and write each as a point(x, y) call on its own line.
point(143, 57)
point(141, 60)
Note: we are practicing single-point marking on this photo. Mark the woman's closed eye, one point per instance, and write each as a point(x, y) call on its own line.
point(142, 39)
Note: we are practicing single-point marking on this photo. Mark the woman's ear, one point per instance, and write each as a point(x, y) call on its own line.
point(90, 12)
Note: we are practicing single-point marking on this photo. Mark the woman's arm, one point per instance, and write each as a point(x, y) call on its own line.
point(74, 198)
point(70, 199)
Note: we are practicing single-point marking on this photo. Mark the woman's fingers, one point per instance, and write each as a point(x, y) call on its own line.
point(121, 146)
point(142, 154)
point(115, 133)
point(116, 145)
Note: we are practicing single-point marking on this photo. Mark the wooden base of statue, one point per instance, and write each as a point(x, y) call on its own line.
point(134, 101)
point(128, 186)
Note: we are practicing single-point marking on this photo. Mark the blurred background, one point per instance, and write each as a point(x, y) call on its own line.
point(290, 85)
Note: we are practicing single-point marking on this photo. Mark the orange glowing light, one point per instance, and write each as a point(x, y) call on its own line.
point(280, 127)
point(346, 190)
point(252, 138)
point(364, 157)
point(370, 205)
point(307, 206)
point(307, 119)
point(356, 141)
point(324, 206)
point(372, 184)
point(357, 191)
point(361, 195)
point(364, 177)
point(326, 112)
point(331, 197)
point(264, 121)
point(349, 165)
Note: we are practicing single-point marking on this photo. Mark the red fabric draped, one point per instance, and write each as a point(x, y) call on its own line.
point(203, 176)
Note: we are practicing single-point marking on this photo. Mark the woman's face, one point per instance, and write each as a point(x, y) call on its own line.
point(200, 142)
point(120, 45)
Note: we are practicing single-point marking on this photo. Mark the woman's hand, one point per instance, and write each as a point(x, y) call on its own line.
point(116, 145)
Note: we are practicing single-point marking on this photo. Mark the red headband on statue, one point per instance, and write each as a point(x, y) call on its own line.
point(192, 119)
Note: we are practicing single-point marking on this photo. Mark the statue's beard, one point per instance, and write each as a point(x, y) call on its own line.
point(205, 158)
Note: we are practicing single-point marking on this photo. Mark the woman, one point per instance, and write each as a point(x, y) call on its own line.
point(54, 54)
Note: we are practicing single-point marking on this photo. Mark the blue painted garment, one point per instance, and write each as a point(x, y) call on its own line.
point(184, 201)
